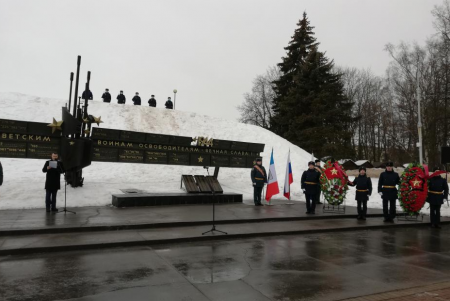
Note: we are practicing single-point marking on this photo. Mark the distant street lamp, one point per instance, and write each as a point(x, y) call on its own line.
point(419, 124)
point(174, 97)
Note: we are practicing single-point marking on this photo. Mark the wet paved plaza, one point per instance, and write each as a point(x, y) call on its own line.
point(328, 266)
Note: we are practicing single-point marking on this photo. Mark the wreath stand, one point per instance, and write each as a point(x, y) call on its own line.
point(404, 217)
point(337, 209)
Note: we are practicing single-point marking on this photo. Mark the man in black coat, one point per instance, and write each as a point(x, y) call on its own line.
point(387, 188)
point(259, 178)
point(169, 104)
point(121, 98)
point(1, 174)
point(310, 186)
point(152, 101)
point(363, 190)
point(52, 182)
point(106, 96)
point(136, 100)
point(87, 94)
point(437, 194)
point(319, 191)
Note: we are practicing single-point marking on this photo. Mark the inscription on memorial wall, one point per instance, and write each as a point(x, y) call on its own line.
point(178, 158)
point(134, 147)
point(131, 156)
point(13, 149)
point(20, 139)
point(105, 154)
point(156, 157)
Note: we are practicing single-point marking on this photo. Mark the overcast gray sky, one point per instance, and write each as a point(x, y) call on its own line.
point(210, 50)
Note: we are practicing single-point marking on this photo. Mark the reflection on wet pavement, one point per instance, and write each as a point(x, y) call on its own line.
point(328, 266)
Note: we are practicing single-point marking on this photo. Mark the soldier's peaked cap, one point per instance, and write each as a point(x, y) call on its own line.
point(311, 163)
point(258, 159)
point(390, 164)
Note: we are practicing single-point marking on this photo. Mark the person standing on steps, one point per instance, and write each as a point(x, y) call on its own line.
point(53, 168)
point(319, 191)
point(121, 98)
point(363, 190)
point(136, 99)
point(310, 182)
point(259, 178)
point(169, 104)
point(106, 96)
point(387, 188)
point(152, 101)
point(437, 194)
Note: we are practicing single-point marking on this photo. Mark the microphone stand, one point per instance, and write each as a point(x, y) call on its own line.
point(213, 229)
point(65, 193)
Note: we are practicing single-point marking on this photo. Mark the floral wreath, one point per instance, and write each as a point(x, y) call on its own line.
point(414, 187)
point(333, 183)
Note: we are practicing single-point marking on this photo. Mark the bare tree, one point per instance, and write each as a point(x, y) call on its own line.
point(257, 106)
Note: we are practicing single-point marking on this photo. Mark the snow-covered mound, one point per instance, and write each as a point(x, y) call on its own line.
point(23, 185)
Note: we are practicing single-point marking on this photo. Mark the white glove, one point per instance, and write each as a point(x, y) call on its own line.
point(304, 190)
point(381, 194)
point(254, 184)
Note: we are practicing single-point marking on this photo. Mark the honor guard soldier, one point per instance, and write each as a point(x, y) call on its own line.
point(259, 178)
point(363, 190)
point(387, 188)
point(136, 100)
point(169, 104)
point(437, 194)
point(53, 168)
point(152, 101)
point(106, 96)
point(121, 98)
point(310, 187)
point(319, 169)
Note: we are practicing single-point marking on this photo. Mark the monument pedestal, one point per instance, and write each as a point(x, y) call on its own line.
point(170, 199)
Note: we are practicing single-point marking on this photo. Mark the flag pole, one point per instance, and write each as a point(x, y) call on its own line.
point(269, 178)
point(289, 161)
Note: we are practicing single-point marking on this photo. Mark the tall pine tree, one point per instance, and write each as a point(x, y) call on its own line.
point(310, 109)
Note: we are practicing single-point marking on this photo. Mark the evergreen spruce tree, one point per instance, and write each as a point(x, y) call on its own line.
point(311, 109)
point(297, 51)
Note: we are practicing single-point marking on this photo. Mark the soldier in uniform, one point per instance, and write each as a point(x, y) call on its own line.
point(310, 187)
point(152, 101)
point(387, 188)
point(136, 100)
point(169, 104)
point(259, 178)
point(121, 98)
point(319, 191)
point(437, 194)
point(106, 96)
point(363, 190)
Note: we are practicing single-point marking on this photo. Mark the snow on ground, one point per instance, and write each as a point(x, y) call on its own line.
point(23, 185)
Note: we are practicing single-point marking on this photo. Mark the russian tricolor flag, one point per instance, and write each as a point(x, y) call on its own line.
point(272, 185)
point(289, 179)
